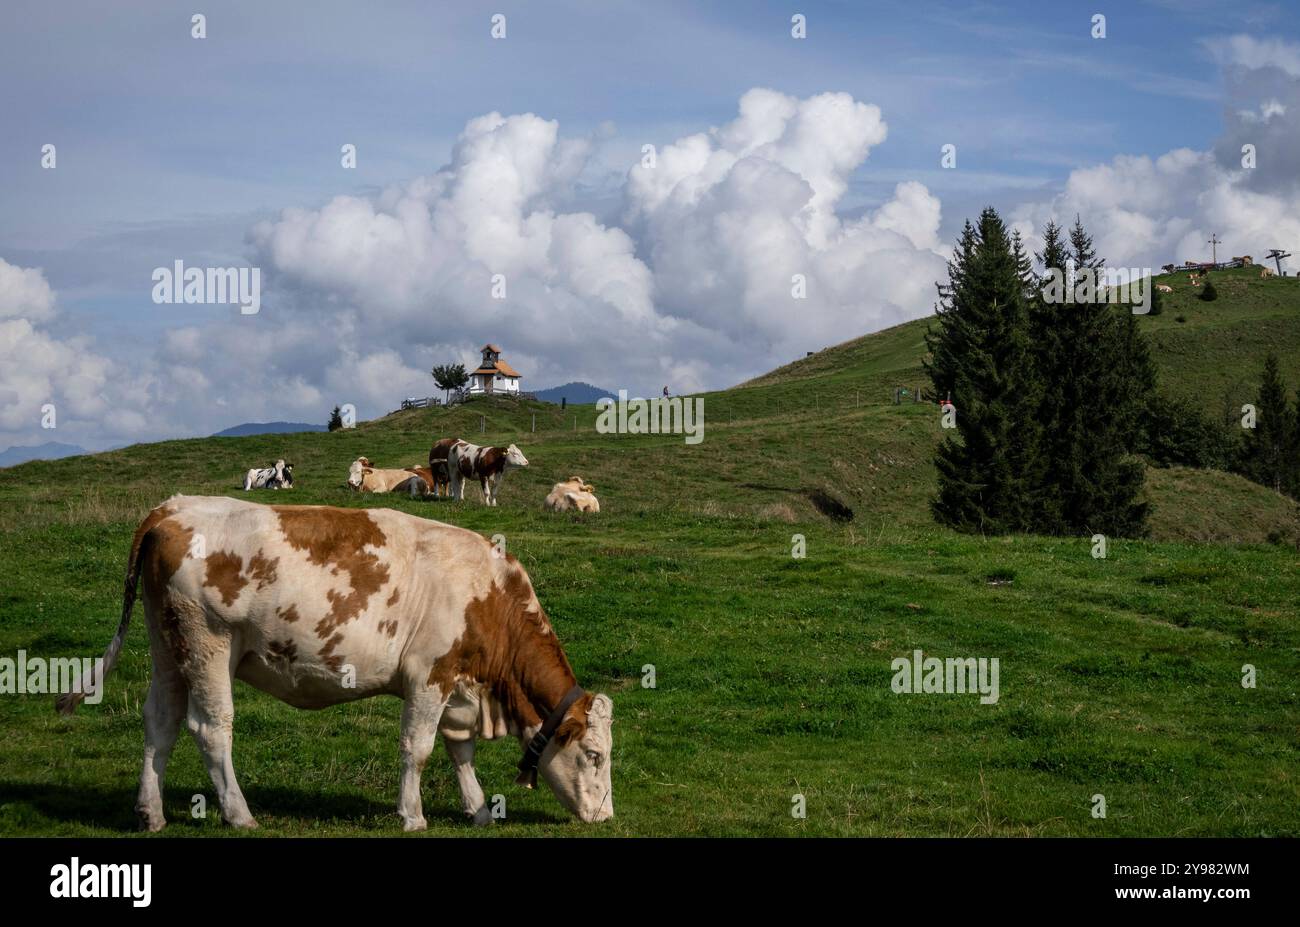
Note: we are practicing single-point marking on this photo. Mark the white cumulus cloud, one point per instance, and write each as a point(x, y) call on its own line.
point(695, 288)
point(1146, 212)
point(90, 394)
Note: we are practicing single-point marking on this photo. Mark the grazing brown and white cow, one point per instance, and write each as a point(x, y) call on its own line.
point(365, 477)
point(317, 606)
point(1164, 288)
point(573, 495)
point(488, 465)
point(438, 465)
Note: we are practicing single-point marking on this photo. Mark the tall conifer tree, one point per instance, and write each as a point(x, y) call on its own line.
point(1269, 445)
point(1293, 452)
point(1096, 373)
point(980, 357)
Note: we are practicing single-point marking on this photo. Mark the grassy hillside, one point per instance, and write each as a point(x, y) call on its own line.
point(1206, 352)
point(1119, 676)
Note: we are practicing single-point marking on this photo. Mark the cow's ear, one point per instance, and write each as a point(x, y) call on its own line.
point(602, 706)
point(570, 730)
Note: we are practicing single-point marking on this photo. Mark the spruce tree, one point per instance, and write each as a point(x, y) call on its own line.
point(1096, 371)
point(1054, 254)
point(336, 420)
point(1292, 466)
point(1047, 346)
point(1267, 449)
point(980, 357)
point(1128, 381)
point(1081, 247)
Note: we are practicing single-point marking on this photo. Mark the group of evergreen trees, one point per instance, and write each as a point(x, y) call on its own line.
point(1050, 394)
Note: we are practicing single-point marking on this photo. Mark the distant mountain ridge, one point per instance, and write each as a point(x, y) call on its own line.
point(267, 428)
point(50, 450)
point(576, 393)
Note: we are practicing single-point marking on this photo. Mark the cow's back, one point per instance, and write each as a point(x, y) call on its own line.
point(438, 455)
point(317, 605)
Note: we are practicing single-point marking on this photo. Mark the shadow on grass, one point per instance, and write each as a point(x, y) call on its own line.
point(824, 501)
point(114, 808)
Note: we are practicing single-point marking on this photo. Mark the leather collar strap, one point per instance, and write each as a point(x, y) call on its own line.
point(533, 752)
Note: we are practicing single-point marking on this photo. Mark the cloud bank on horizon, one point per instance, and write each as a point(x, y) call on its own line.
point(691, 284)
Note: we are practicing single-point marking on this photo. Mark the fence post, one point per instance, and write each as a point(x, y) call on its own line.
point(575, 423)
point(534, 422)
point(482, 424)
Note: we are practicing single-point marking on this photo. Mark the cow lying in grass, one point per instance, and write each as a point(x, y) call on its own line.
point(279, 476)
point(364, 477)
point(418, 485)
point(488, 465)
point(318, 606)
point(573, 495)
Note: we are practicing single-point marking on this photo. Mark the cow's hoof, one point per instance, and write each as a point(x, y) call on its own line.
point(243, 823)
point(412, 824)
point(482, 817)
point(150, 823)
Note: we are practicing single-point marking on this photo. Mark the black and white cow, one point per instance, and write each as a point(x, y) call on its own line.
point(279, 476)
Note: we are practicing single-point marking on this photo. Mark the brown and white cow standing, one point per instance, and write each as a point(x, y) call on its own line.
point(438, 465)
point(317, 606)
point(488, 465)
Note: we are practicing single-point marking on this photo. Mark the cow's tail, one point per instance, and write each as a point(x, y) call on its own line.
point(93, 681)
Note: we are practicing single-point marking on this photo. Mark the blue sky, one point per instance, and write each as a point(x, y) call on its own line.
point(173, 148)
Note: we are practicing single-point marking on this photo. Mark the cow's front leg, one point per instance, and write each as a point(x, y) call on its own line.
point(420, 717)
point(471, 793)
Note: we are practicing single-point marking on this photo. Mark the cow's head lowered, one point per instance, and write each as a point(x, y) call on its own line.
point(576, 762)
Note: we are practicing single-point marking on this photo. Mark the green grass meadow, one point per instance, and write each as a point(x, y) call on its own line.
point(1119, 676)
